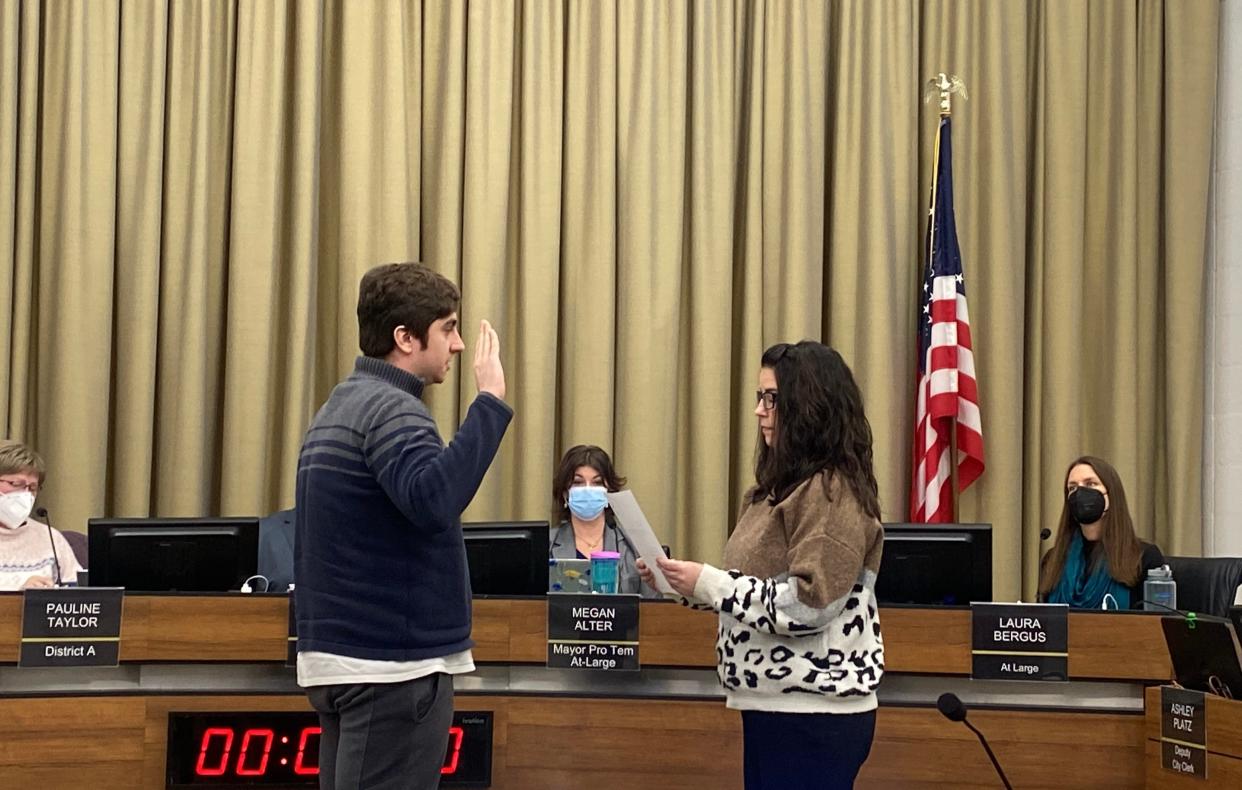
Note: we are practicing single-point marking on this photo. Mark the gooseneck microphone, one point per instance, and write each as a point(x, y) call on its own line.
point(47, 521)
point(951, 707)
point(954, 709)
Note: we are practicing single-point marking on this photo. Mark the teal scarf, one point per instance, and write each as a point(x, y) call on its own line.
point(1087, 592)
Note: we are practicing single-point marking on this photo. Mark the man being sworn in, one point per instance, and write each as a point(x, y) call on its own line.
point(382, 593)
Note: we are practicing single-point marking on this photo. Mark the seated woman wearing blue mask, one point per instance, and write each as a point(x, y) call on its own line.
point(586, 524)
point(1096, 560)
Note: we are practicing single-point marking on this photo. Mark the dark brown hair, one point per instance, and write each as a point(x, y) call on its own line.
point(401, 294)
point(820, 426)
point(576, 456)
point(1117, 539)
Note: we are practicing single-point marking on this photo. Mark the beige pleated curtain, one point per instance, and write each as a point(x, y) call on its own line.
point(641, 196)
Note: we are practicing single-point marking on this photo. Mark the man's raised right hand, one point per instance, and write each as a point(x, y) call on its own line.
point(489, 375)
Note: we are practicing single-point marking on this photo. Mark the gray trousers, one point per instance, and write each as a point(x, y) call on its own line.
point(384, 736)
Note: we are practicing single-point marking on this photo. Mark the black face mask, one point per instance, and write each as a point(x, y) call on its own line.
point(1086, 505)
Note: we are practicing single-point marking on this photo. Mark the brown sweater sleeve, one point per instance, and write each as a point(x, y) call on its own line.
point(832, 545)
point(830, 538)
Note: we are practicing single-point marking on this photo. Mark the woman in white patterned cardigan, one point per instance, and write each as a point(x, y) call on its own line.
point(799, 645)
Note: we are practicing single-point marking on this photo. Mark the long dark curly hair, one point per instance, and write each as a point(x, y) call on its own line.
point(820, 425)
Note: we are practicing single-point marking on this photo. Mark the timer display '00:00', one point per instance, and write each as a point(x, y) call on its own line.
point(245, 749)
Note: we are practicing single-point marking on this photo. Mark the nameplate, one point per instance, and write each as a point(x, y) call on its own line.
point(593, 632)
point(1019, 641)
point(1183, 732)
point(74, 627)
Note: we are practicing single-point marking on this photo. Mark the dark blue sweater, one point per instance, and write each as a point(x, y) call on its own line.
point(379, 558)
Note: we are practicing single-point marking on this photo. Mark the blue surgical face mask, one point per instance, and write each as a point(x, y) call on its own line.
point(587, 502)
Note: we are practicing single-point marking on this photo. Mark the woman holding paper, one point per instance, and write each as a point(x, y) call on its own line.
point(579, 490)
point(799, 644)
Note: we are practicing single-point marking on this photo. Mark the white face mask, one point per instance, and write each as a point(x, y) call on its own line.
point(15, 508)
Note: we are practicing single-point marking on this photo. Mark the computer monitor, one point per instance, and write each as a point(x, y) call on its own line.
point(507, 557)
point(1205, 654)
point(942, 564)
point(172, 554)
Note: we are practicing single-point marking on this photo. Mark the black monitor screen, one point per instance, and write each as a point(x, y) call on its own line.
point(943, 564)
point(1205, 654)
point(172, 554)
point(507, 558)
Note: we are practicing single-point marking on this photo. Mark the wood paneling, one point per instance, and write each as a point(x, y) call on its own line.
point(10, 626)
point(1224, 718)
point(510, 630)
point(120, 743)
point(212, 628)
point(547, 743)
point(576, 743)
point(1118, 647)
point(917, 747)
point(541, 742)
point(516, 631)
point(674, 635)
point(233, 627)
point(1102, 646)
point(65, 742)
point(925, 640)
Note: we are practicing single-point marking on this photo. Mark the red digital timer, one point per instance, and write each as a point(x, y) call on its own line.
point(282, 749)
point(215, 751)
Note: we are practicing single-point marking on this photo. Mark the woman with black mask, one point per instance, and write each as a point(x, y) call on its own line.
point(1097, 561)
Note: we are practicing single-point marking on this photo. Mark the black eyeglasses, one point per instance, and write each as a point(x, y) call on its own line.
point(767, 398)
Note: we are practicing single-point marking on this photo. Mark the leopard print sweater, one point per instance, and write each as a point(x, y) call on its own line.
point(799, 630)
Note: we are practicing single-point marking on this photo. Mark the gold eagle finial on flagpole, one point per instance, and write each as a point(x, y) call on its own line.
point(944, 86)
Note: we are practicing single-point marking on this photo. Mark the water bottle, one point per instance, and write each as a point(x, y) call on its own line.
point(1159, 589)
point(604, 571)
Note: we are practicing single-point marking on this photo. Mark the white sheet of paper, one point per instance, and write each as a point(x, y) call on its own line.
point(638, 532)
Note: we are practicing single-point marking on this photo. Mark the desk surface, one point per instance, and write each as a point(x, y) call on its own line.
point(917, 640)
point(114, 730)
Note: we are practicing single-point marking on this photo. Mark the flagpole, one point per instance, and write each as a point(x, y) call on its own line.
point(944, 85)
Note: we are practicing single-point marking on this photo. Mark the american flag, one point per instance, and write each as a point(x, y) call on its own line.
point(947, 389)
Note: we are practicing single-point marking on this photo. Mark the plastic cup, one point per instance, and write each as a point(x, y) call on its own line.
point(604, 571)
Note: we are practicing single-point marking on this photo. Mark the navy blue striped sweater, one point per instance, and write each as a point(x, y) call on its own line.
point(379, 559)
